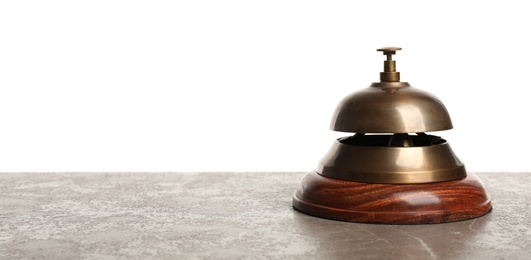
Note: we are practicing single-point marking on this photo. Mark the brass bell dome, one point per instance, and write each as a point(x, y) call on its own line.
point(390, 106)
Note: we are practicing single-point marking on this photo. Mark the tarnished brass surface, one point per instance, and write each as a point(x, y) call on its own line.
point(382, 164)
point(390, 107)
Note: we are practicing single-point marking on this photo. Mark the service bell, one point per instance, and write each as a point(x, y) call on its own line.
point(390, 171)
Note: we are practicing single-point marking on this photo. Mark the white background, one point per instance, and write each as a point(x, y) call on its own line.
point(248, 85)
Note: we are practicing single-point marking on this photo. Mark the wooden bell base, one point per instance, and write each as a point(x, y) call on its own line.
point(392, 203)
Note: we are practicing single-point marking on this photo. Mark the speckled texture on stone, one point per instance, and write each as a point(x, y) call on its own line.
point(232, 216)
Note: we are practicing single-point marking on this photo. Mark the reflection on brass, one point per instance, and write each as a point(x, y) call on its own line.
point(393, 107)
point(400, 140)
point(372, 161)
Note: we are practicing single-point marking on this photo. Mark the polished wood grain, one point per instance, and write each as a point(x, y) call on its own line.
point(392, 203)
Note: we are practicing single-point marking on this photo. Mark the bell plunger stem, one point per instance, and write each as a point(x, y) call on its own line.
point(389, 74)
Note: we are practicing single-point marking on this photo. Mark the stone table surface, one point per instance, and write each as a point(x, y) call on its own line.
point(232, 216)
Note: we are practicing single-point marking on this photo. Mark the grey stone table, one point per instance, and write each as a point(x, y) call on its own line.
point(232, 216)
